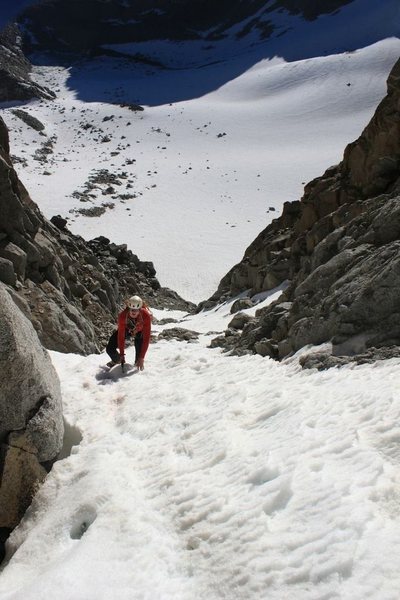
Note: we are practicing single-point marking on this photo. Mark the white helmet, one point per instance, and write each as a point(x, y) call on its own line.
point(134, 303)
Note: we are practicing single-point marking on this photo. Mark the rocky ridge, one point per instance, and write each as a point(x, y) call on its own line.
point(125, 21)
point(339, 250)
point(71, 290)
point(15, 68)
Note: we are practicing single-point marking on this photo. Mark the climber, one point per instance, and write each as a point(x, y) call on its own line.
point(134, 321)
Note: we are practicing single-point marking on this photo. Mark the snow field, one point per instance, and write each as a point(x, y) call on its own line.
point(204, 176)
point(208, 476)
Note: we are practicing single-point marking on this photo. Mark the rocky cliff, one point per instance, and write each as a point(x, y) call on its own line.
point(15, 68)
point(339, 249)
point(71, 290)
point(53, 25)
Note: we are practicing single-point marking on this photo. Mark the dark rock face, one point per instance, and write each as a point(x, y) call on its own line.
point(339, 248)
point(178, 333)
point(309, 9)
point(69, 289)
point(31, 425)
point(15, 82)
point(55, 27)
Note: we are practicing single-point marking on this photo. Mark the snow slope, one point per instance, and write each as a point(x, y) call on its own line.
point(208, 477)
point(211, 477)
point(202, 177)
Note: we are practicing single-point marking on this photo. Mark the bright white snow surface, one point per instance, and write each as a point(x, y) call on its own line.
point(208, 477)
point(210, 161)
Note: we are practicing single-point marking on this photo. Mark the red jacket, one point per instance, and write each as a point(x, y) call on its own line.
point(142, 322)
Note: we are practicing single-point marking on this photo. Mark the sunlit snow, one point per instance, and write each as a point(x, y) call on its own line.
point(207, 476)
point(202, 177)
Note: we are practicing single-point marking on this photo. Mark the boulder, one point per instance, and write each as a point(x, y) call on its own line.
point(7, 274)
point(240, 320)
point(241, 304)
point(30, 396)
point(179, 333)
point(20, 476)
point(266, 347)
point(31, 424)
point(16, 256)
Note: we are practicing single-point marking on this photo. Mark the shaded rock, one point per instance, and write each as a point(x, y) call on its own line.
point(241, 304)
point(7, 274)
point(31, 424)
point(323, 360)
point(58, 323)
point(15, 81)
point(266, 347)
point(28, 119)
point(240, 320)
point(59, 222)
point(20, 477)
point(16, 256)
point(166, 321)
point(29, 387)
point(53, 25)
point(178, 333)
point(227, 341)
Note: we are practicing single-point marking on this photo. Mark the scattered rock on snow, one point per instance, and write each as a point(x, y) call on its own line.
point(241, 304)
point(28, 119)
point(180, 334)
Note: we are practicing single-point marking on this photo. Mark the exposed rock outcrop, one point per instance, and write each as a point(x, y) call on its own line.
point(54, 25)
point(339, 247)
point(69, 289)
point(15, 81)
point(178, 333)
point(31, 425)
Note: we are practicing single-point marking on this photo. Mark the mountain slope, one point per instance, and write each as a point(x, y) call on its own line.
point(15, 81)
point(198, 180)
point(76, 26)
point(71, 290)
point(340, 249)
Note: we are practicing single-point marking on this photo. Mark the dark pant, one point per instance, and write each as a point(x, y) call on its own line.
point(112, 346)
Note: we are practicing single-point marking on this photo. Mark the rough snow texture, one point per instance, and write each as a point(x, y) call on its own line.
point(208, 477)
point(205, 476)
